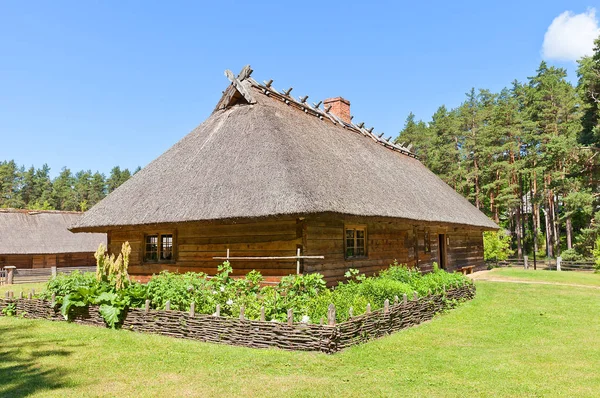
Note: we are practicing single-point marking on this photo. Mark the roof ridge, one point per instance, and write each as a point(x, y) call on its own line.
point(315, 110)
point(34, 212)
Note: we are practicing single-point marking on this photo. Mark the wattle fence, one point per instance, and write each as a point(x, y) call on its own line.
point(328, 338)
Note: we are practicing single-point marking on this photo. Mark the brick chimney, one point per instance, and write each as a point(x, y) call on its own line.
point(339, 107)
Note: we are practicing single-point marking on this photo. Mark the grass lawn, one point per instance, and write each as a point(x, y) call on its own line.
point(511, 340)
point(569, 277)
point(24, 287)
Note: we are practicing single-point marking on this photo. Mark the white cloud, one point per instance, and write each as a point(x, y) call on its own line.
point(571, 36)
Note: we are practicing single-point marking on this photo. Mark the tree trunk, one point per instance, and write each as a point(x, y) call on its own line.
point(477, 202)
point(519, 233)
point(549, 247)
point(569, 233)
point(555, 229)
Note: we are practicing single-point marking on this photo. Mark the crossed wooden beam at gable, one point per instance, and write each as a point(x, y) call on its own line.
point(238, 90)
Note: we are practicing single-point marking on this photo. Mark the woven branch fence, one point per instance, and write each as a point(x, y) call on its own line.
point(330, 338)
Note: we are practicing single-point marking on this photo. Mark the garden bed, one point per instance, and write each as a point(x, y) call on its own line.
point(327, 338)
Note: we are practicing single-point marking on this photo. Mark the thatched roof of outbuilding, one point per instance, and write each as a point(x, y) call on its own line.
point(44, 232)
point(263, 153)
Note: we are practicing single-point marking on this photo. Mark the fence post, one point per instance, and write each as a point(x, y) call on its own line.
point(262, 313)
point(368, 308)
point(290, 317)
point(168, 305)
point(147, 306)
point(298, 261)
point(415, 296)
point(350, 312)
point(525, 263)
point(192, 309)
point(331, 315)
point(218, 310)
point(10, 274)
point(558, 261)
point(404, 298)
point(386, 306)
point(242, 310)
point(53, 268)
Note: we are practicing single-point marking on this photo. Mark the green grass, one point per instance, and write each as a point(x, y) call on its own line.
point(24, 287)
point(570, 277)
point(511, 340)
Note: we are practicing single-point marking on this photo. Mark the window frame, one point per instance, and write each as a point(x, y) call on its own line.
point(355, 227)
point(159, 247)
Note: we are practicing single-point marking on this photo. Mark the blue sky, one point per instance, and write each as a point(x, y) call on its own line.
point(91, 85)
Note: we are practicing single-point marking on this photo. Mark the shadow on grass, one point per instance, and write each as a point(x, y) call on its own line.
point(21, 348)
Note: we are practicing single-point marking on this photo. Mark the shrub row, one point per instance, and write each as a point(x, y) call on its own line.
point(307, 295)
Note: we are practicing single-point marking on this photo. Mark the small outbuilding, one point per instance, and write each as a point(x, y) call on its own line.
point(41, 239)
point(269, 175)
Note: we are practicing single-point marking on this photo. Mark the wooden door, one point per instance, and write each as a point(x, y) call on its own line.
point(442, 250)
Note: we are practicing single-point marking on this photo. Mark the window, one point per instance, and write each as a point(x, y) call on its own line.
point(151, 253)
point(166, 247)
point(356, 241)
point(158, 247)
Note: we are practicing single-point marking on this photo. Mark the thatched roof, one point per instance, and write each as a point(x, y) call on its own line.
point(263, 153)
point(43, 232)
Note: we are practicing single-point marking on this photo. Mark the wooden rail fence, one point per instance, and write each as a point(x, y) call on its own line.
point(546, 264)
point(327, 337)
point(38, 274)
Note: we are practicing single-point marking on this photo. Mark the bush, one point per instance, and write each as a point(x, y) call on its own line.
point(377, 290)
point(571, 255)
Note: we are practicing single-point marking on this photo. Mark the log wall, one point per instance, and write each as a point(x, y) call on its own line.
point(195, 245)
point(387, 240)
point(29, 261)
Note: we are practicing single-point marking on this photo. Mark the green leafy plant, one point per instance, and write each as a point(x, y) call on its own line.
point(110, 288)
point(10, 309)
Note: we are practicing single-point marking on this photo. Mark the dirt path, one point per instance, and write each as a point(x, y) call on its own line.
point(485, 276)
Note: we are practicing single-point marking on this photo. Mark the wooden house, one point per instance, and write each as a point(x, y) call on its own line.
point(269, 173)
point(41, 239)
